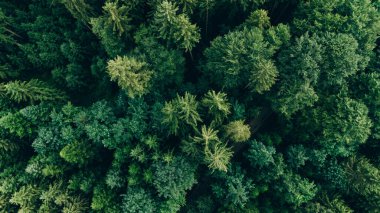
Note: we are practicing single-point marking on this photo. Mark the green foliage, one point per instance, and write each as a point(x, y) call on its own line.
point(16, 124)
point(78, 152)
point(344, 124)
point(112, 27)
point(180, 111)
point(258, 18)
point(216, 153)
point(175, 27)
point(260, 155)
point(299, 74)
point(297, 156)
point(218, 156)
point(233, 188)
point(26, 197)
point(117, 15)
point(242, 58)
point(342, 16)
point(296, 190)
point(138, 200)
point(173, 179)
point(217, 105)
point(237, 131)
point(189, 106)
point(6, 34)
point(79, 9)
point(328, 205)
point(33, 90)
point(340, 59)
point(364, 180)
point(104, 199)
point(130, 74)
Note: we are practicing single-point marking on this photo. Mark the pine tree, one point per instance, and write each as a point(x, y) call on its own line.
point(242, 58)
point(296, 190)
point(26, 197)
point(78, 152)
point(217, 105)
point(180, 111)
point(173, 179)
point(130, 74)
point(6, 34)
point(187, 109)
point(237, 131)
point(117, 16)
point(138, 200)
point(218, 156)
point(299, 75)
point(16, 124)
point(233, 189)
point(173, 27)
point(79, 9)
point(33, 90)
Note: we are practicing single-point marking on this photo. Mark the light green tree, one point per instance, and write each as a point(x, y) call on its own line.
point(33, 90)
point(217, 105)
point(237, 131)
point(130, 74)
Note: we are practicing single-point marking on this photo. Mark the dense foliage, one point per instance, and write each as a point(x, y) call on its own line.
point(189, 106)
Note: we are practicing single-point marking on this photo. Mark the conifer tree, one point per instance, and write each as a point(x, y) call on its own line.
point(6, 34)
point(242, 58)
point(33, 90)
point(117, 16)
point(217, 105)
point(237, 131)
point(79, 9)
point(175, 27)
point(130, 74)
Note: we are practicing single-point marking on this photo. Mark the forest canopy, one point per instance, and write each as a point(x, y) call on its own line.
point(189, 106)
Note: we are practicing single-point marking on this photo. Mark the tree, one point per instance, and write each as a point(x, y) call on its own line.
point(260, 155)
point(344, 125)
point(324, 16)
point(173, 179)
point(297, 156)
point(173, 27)
point(234, 189)
point(189, 106)
point(16, 124)
point(130, 74)
point(6, 34)
point(112, 27)
point(168, 64)
point(258, 18)
point(364, 180)
point(340, 58)
point(237, 131)
point(217, 104)
point(138, 200)
point(242, 58)
point(26, 197)
point(296, 190)
point(218, 156)
point(180, 111)
point(299, 74)
point(79, 9)
point(216, 153)
point(104, 199)
point(33, 90)
point(78, 152)
point(118, 16)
